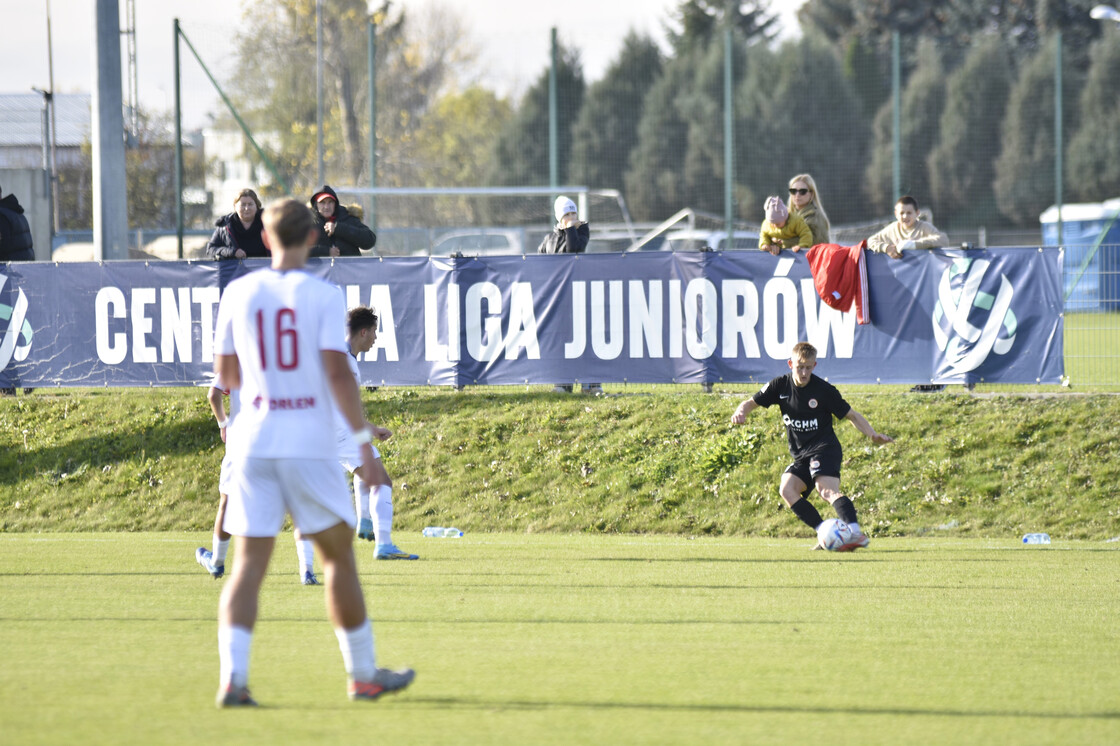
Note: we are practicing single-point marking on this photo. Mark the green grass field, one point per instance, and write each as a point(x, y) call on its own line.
point(568, 639)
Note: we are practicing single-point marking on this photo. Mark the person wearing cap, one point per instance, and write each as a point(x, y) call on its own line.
point(781, 230)
point(906, 232)
point(340, 233)
point(570, 235)
point(238, 235)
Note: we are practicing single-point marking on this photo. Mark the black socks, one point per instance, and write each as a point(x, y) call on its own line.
point(845, 511)
point(808, 514)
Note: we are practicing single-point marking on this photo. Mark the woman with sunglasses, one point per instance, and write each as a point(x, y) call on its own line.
point(804, 201)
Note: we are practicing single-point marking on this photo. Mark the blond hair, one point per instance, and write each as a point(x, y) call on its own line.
point(288, 222)
point(815, 197)
point(803, 351)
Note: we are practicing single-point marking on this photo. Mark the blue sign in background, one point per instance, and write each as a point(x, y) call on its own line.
point(944, 316)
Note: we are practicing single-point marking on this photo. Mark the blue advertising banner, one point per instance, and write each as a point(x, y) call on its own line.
point(644, 317)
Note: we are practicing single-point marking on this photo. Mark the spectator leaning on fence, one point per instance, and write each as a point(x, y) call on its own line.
point(238, 235)
point(782, 230)
point(570, 236)
point(340, 233)
point(15, 232)
point(805, 201)
point(907, 232)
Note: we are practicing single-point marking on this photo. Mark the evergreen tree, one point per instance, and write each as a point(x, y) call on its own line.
point(607, 128)
point(1024, 184)
point(521, 155)
point(923, 99)
point(962, 164)
point(654, 187)
point(1093, 161)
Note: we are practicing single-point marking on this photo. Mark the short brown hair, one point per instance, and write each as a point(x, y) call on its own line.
point(288, 222)
point(360, 317)
point(803, 351)
point(251, 195)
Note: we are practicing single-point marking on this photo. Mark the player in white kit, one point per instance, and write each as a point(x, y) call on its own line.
point(361, 333)
point(214, 560)
point(280, 347)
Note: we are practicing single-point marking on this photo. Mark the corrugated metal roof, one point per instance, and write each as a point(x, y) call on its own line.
point(21, 119)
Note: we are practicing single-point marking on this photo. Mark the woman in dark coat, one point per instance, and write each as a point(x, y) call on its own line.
point(238, 235)
point(340, 233)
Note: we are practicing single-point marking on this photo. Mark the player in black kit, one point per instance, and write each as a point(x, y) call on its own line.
point(808, 404)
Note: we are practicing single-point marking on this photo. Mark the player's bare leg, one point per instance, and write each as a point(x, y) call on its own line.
point(237, 614)
point(829, 487)
point(214, 561)
point(347, 611)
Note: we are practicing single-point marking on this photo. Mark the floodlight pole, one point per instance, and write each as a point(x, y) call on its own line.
point(728, 138)
point(553, 113)
point(1058, 129)
point(178, 146)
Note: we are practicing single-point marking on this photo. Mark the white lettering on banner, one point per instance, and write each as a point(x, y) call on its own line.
point(676, 323)
point(740, 325)
point(175, 324)
point(176, 314)
point(491, 327)
point(700, 327)
point(522, 323)
point(381, 301)
point(645, 319)
point(822, 321)
point(142, 352)
point(207, 300)
point(578, 344)
point(434, 352)
point(779, 317)
point(603, 348)
point(111, 350)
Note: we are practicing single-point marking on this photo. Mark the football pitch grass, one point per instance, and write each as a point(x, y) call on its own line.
point(568, 639)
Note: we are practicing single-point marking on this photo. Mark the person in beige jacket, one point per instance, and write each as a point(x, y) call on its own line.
point(907, 232)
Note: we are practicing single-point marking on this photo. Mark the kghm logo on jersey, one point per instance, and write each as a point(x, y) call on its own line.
point(973, 316)
point(16, 342)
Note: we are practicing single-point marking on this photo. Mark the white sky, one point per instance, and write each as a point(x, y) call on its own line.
point(511, 35)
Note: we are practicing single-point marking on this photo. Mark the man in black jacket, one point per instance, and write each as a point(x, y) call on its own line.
point(15, 232)
point(340, 233)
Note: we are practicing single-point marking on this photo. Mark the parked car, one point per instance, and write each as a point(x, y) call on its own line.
point(695, 239)
point(480, 242)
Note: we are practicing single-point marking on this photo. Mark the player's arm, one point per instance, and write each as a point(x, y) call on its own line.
point(214, 396)
point(228, 369)
point(745, 407)
point(345, 391)
point(864, 427)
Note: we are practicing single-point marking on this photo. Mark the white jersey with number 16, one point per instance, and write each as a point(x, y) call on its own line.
point(277, 323)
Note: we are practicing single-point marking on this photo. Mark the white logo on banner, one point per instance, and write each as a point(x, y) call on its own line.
point(960, 301)
point(18, 326)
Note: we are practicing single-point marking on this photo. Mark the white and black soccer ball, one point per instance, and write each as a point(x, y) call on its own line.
point(833, 534)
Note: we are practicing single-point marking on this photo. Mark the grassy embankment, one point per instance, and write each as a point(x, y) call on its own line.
point(139, 460)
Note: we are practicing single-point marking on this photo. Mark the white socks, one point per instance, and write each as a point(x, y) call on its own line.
point(855, 527)
point(383, 508)
point(361, 497)
point(233, 653)
point(306, 552)
point(357, 651)
point(220, 549)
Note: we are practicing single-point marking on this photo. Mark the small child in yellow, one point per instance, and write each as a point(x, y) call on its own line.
point(780, 229)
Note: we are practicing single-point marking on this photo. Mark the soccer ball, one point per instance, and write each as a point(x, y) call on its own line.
point(833, 534)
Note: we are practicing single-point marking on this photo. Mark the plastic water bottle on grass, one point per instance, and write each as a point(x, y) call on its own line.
point(1036, 538)
point(439, 532)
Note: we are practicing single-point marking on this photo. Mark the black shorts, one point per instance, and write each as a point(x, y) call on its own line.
point(820, 464)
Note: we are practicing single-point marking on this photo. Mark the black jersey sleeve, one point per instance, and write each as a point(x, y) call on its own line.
point(836, 402)
point(767, 396)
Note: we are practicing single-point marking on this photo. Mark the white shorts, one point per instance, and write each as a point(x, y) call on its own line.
point(263, 490)
point(349, 457)
point(225, 479)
